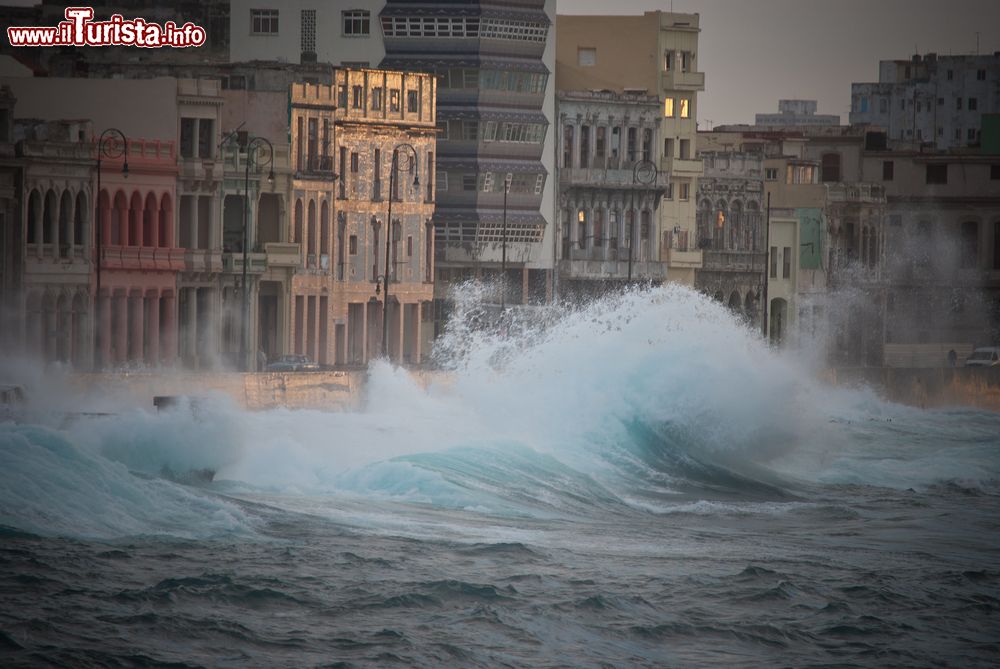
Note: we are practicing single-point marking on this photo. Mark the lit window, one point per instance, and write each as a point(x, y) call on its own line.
point(263, 21)
point(685, 108)
point(668, 108)
point(356, 23)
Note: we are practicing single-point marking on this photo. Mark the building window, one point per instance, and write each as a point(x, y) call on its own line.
point(937, 174)
point(958, 134)
point(354, 163)
point(600, 145)
point(774, 262)
point(786, 262)
point(539, 183)
point(973, 104)
point(630, 147)
point(668, 108)
point(352, 245)
point(951, 74)
point(441, 179)
point(468, 182)
point(412, 103)
point(568, 146)
point(581, 232)
point(358, 97)
point(958, 104)
point(888, 168)
point(685, 190)
point(356, 22)
point(409, 246)
point(586, 56)
point(206, 138)
point(187, 137)
point(883, 105)
point(668, 57)
point(902, 104)
point(308, 25)
point(442, 129)
point(668, 147)
point(995, 172)
point(394, 100)
point(685, 108)
point(971, 134)
point(831, 167)
point(376, 99)
point(770, 173)
point(263, 21)
point(685, 147)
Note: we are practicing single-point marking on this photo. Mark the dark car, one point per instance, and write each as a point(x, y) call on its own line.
point(293, 363)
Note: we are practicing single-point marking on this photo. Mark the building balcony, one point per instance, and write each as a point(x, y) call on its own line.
point(199, 169)
point(202, 260)
point(232, 263)
point(143, 258)
point(316, 167)
point(614, 269)
point(283, 254)
point(608, 178)
point(855, 192)
point(675, 80)
point(684, 259)
point(683, 167)
point(734, 261)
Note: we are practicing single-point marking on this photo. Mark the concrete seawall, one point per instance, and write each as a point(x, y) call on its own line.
point(977, 387)
point(927, 388)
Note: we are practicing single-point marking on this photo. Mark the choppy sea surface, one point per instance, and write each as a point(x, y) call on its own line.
point(637, 483)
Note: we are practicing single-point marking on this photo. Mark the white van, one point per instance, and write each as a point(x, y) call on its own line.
point(988, 356)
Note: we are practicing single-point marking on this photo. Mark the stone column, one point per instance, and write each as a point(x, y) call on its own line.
point(73, 242)
point(153, 327)
point(105, 326)
point(55, 227)
point(191, 335)
point(121, 332)
point(135, 336)
point(168, 349)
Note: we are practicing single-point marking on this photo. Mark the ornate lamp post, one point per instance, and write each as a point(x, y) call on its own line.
point(113, 144)
point(644, 173)
point(253, 156)
point(408, 164)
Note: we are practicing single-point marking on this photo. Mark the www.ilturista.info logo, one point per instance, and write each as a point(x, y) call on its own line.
point(79, 29)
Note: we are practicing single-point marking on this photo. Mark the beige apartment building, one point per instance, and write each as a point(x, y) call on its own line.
point(659, 57)
point(343, 140)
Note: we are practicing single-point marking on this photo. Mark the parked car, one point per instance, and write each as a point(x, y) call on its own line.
point(988, 356)
point(293, 363)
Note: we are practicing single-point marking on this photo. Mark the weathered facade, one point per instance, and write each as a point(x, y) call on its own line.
point(604, 203)
point(930, 99)
point(592, 56)
point(793, 113)
point(731, 230)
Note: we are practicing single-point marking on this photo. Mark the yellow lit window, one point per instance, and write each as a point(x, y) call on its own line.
point(668, 107)
point(685, 108)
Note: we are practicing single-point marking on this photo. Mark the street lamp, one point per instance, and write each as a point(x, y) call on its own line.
point(503, 257)
point(252, 151)
point(113, 143)
point(644, 173)
point(409, 165)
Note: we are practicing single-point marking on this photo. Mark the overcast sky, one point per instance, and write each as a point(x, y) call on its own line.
point(755, 52)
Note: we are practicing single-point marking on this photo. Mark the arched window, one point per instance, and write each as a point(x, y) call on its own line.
point(324, 235)
point(598, 227)
point(65, 224)
point(311, 234)
point(581, 229)
point(297, 231)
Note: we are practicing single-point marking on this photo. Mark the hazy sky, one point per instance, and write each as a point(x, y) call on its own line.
point(755, 52)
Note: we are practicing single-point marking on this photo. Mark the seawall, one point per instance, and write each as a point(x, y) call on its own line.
point(977, 387)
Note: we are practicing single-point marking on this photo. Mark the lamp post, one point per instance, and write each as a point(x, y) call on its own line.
point(503, 256)
point(112, 143)
point(410, 164)
point(644, 173)
point(252, 151)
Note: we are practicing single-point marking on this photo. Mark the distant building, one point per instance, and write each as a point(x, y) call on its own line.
point(793, 113)
point(930, 99)
point(603, 202)
point(592, 55)
point(731, 228)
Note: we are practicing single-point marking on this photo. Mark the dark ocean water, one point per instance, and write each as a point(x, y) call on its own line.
point(660, 492)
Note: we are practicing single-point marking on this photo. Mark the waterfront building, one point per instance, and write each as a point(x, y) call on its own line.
point(930, 99)
point(604, 203)
point(591, 55)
